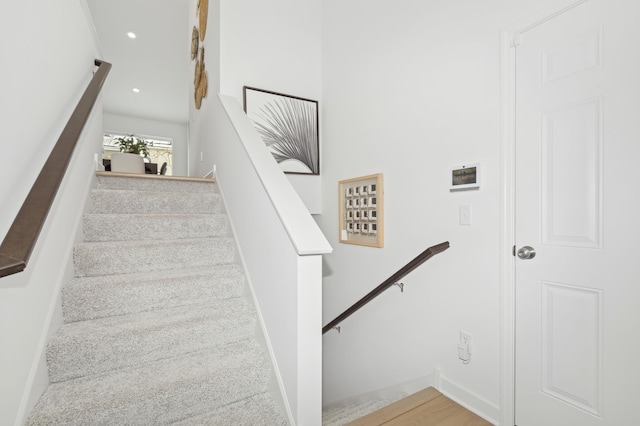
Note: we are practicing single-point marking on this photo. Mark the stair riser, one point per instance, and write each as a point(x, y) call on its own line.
point(148, 202)
point(93, 259)
point(103, 298)
point(126, 227)
point(162, 392)
point(245, 412)
point(164, 184)
point(93, 347)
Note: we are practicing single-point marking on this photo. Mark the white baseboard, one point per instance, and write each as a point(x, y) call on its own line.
point(469, 400)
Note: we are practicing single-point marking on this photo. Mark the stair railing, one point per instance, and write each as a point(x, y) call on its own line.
point(391, 281)
point(22, 236)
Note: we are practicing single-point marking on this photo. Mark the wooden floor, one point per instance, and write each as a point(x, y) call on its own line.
point(427, 407)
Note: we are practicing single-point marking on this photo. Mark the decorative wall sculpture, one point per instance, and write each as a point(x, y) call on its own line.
point(203, 11)
point(200, 79)
point(195, 42)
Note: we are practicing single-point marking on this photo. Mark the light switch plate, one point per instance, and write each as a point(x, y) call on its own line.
point(465, 214)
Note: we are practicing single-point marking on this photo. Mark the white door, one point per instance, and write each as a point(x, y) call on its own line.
point(578, 206)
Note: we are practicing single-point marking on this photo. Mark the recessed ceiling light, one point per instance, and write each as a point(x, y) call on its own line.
point(131, 35)
point(135, 89)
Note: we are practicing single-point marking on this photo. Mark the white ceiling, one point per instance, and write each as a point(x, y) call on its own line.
point(156, 61)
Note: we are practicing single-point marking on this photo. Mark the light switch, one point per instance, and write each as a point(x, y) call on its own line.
point(465, 214)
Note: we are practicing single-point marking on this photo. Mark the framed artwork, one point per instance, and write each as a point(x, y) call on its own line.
point(288, 126)
point(360, 202)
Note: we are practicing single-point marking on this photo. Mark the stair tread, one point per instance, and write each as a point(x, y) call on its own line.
point(133, 201)
point(144, 182)
point(153, 215)
point(183, 241)
point(153, 192)
point(340, 415)
point(160, 392)
point(95, 346)
point(258, 410)
point(159, 226)
point(221, 270)
point(106, 295)
point(114, 257)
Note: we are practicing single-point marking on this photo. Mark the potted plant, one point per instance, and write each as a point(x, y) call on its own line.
point(132, 145)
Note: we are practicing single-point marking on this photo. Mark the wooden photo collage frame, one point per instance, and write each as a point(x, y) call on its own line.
point(361, 210)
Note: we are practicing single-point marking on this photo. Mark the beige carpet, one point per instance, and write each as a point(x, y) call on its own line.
point(157, 330)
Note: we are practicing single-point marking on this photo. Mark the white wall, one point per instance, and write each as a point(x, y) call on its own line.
point(275, 46)
point(207, 137)
point(286, 280)
point(142, 126)
point(38, 90)
point(411, 88)
point(48, 51)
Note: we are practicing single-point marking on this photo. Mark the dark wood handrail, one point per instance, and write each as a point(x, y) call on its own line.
point(21, 239)
point(406, 269)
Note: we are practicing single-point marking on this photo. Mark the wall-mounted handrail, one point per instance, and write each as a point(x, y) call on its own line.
point(22, 236)
point(393, 279)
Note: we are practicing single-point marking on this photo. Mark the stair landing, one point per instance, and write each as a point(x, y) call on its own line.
point(150, 176)
point(427, 407)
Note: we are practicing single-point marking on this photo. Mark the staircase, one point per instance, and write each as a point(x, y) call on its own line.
point(156, 326)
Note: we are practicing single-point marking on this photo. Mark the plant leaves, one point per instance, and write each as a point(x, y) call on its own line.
point(288, 127)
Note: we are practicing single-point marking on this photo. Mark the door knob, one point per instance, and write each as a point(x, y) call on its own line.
point(526, 253)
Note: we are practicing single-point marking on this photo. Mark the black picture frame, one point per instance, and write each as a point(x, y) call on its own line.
point(288, 126)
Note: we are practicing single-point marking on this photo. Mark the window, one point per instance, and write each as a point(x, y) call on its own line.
point(160, 149)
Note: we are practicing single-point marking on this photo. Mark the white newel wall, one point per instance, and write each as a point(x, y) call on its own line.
point(280, 243)
point(281, 248)
point(52, 51)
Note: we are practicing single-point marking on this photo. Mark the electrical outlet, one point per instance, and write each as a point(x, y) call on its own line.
point(464, 347)
point(465, 339)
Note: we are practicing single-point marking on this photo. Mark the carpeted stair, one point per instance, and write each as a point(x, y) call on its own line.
point(346, 412)
point(156, 326)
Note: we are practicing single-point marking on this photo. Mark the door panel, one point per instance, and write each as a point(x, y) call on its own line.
point(571, 345)
point(576, 203)
point(571, 175)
